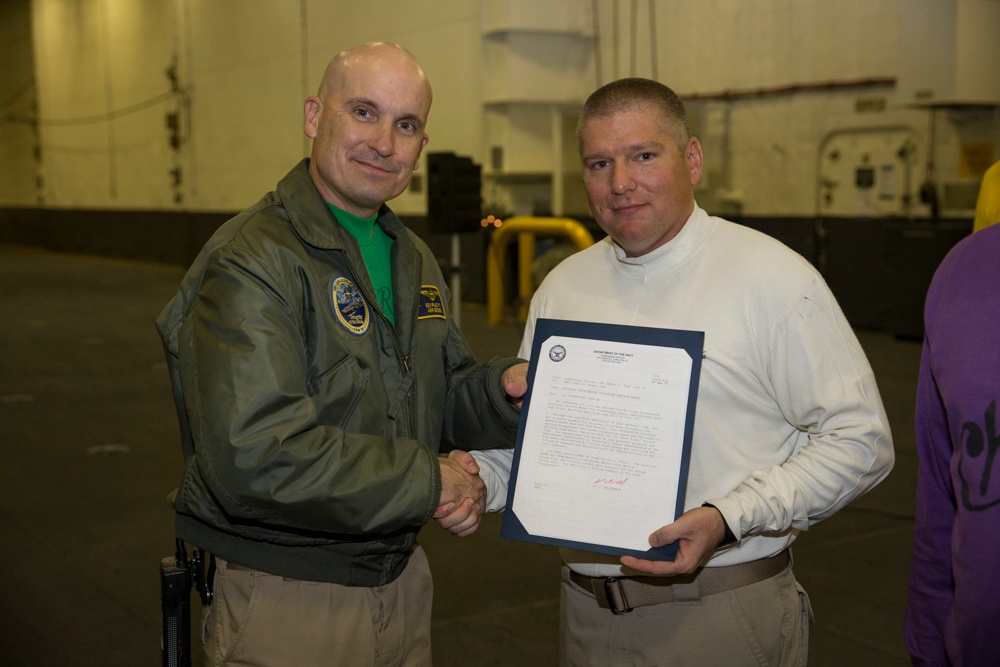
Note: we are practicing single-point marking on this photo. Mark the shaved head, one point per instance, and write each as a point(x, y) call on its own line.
point(367, 57)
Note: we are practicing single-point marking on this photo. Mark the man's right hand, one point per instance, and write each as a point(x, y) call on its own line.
point(463, 494)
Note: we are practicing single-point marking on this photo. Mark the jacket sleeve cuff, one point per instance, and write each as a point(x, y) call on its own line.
point(504, 408)
point(435, 470)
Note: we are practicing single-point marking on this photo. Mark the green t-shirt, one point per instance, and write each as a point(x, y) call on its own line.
point(375, 246)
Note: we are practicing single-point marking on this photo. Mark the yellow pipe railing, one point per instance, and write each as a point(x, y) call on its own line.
point(525, 228)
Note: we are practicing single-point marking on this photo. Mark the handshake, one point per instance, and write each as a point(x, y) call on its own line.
point(463, 494)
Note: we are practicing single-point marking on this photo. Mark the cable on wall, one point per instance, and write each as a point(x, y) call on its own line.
point(110, 102)
point(184, 32)
point(619, 33)
point(654, 58)
point(15, 99)
point(97, 118)
point(177, 127)
point(598, 74)
point(633, 31)
point(178, 120)
point(304, 60)
point(614, 39)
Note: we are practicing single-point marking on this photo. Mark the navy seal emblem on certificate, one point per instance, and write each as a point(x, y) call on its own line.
point(431, 303)
point(349, 306)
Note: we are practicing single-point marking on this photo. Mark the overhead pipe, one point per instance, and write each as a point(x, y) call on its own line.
point(788, 89)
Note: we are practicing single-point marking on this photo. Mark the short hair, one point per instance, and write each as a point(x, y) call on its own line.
point(633, 93)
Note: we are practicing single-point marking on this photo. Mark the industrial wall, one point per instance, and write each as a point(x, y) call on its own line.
point(197, 105)
point(133, 127)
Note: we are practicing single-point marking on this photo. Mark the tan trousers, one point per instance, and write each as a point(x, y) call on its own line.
point(766, 623)
point(261, 620)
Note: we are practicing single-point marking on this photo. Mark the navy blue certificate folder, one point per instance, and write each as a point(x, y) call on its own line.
point(590, 335)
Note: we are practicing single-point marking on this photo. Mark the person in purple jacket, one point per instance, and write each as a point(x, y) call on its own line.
point(953, 613)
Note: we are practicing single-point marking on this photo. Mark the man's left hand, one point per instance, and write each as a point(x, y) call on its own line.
point(698, 532)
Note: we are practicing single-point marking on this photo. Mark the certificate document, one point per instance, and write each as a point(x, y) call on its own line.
point(604, 441)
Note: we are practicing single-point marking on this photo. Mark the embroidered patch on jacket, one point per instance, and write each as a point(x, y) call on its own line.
point(431, 304)
point(349, 306)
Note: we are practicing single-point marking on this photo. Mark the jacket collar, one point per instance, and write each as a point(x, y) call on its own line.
point(311, 217)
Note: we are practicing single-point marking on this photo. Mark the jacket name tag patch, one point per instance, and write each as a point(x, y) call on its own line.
point(431, 304)
point(348, 305)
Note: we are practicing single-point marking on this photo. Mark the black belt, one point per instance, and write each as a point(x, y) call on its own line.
point(623, 594)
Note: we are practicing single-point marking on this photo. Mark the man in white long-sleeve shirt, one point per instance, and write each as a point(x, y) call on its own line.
point(789, 424)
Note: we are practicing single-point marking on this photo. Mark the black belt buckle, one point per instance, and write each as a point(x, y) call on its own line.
point(610, 586)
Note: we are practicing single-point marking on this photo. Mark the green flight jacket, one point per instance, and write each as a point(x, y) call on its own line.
point(310, 425)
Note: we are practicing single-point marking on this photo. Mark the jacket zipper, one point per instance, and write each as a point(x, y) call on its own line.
point(405, 359)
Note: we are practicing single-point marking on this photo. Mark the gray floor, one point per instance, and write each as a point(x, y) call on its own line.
point(90, 449)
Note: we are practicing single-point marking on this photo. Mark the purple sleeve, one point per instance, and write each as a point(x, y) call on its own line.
point(931, 585)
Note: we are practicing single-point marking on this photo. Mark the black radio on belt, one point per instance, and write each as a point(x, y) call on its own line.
point(177, 575)
point(175, 606)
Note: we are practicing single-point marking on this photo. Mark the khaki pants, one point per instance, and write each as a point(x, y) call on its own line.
point(766, 623)
point(261, 620)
